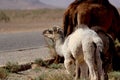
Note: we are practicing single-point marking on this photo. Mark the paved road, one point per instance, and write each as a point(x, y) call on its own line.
point(21, 40)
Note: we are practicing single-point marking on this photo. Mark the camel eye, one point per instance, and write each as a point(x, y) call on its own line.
point(50, 32)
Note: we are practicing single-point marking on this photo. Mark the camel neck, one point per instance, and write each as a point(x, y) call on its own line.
point(58, 46)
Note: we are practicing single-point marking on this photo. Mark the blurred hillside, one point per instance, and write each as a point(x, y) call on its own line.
point(22, 4)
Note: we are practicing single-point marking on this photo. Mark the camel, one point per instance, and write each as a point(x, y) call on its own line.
point(92, 13)
point(108, 57)
point(82, 46)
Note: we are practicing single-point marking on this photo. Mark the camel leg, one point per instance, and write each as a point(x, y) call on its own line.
point(84, 71)
point(90, 63)
point(88, 52)
point(69, 65)
point(99, 65)
point(77, 71)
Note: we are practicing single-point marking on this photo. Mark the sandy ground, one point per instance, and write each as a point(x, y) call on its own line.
point(24, 56)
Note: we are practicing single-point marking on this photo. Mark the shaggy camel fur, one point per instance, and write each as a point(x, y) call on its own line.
point(108, 54)
point(92, 13)
point(82, 46)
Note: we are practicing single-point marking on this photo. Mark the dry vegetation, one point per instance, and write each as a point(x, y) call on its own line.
point(41, 72)
point(25, 20)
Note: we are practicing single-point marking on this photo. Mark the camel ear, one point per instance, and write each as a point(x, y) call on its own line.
point(60, 30)
point(57, 28)
point(45, 31)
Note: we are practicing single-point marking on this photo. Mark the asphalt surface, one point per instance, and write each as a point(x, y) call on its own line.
point(21, 40)
point(22, 47)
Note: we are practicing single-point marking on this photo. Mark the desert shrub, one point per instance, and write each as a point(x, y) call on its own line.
point(117, 43)
point(55, 66)
point(37, 69)
point(3, 73)
point(4, 17)
point(12, 67)
point(41, 62)
point(114, 75)
point(46, 64)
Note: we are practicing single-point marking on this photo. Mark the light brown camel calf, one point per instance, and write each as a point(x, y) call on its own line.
point(82, 46)
point(107, 55)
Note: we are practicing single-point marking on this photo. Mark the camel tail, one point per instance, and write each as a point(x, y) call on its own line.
point(98, 55)
point(99, 43)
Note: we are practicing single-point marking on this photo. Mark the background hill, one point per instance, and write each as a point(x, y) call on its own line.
point(23, 4)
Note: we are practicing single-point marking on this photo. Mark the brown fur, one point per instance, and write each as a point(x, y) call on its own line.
point(92, 13)
point(107, 55)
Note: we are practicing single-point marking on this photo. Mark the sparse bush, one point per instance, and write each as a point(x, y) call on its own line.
point(55, 66)
point(115, 75)
point(3, 73)
point(37, 69)
point(117, 43)
point(12, 67)
point(46, 64)
point(41, 62)
point(4, 17)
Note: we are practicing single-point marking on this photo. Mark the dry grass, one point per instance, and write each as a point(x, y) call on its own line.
point(51, 72)
point(3, 73)
point(54, 76)
point(114, 75)
point(12, 67)
point(26, 20)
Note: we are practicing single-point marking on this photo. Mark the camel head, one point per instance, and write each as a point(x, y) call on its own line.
point(53, 33)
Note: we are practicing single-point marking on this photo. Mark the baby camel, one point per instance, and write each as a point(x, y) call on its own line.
point(82, 46)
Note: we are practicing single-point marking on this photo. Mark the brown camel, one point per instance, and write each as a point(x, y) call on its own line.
point(93, 13)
